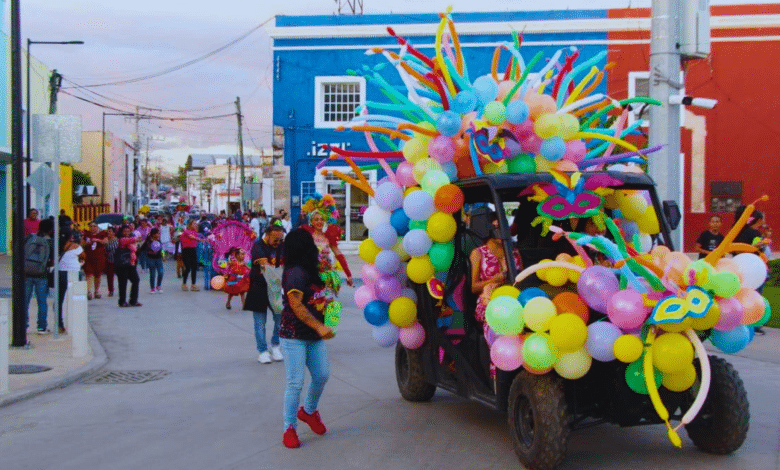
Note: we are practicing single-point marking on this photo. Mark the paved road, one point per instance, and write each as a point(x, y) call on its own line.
point(220, 409)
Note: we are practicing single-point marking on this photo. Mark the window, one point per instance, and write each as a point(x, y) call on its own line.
point(336, 100)
point(726, 196)
point(639, 85)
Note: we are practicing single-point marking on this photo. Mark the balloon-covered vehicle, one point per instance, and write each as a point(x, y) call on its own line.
point(600, 321)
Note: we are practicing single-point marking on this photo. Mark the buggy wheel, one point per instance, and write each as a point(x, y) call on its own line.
point(410, 375)
point(538, 420)
point(722, 423)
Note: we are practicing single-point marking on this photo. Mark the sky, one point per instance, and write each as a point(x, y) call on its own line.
point(130, 39)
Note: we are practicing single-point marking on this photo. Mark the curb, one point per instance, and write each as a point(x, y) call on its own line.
point(98, 361)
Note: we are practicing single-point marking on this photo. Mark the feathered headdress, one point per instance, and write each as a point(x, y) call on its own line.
point(325, 205)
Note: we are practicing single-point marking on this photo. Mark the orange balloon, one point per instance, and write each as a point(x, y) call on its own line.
point(566, 165)
point(728, 264)
point(462, 158)
point(218, 282)
point(570, 302)
point(504, 88)
point(449, 199)
point(752, 303)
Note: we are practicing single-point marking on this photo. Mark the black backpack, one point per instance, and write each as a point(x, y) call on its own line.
point(36, 255)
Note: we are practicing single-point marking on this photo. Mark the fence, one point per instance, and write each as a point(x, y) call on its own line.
point(83, 214)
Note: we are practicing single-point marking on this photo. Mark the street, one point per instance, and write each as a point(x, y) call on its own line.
point(218, 408)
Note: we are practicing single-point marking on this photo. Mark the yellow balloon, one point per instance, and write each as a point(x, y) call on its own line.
point(568, 332)
point(677, 327)
point(416, 148)
point(510, 291)
point(672, 352)
point(546, 126)
point(399, 249)
point(402, 312)
point(420, 269)
point(538, 312)
point(682, 381)
point(633, 207)
point(648, 223)
point(568, 125)
point(496, 168)
point(367, 250)
point(627, 348)
point(542, 273)
point(573, 365)
point(441, 227)
point(556, 276)
point(709, 320)
point(422, 166)
point(543, 165)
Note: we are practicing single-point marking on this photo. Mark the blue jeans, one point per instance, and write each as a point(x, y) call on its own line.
point(260, 318)
point(208, 273)
point(41, 287)
point(155, 270)
point(299, 354)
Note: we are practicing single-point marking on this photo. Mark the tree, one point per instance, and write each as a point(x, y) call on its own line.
point(80, 178)
point(180, 180)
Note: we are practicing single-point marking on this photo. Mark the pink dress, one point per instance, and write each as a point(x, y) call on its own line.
point(489, 266)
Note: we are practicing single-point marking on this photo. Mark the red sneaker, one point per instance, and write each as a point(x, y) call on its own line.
point(313, 420)
point(290, 439)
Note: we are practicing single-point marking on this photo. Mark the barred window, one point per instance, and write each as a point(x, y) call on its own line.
point(337, 100)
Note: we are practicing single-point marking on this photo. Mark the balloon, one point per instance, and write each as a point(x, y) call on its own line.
point(568, 332)
point(384, 236)
point(648, 222)
point(531, 144)
point(507, 290)
point(601, 340)
point(672, 352)
point(568, 125)
point(217, 282)
point(575, 151)
point(632, 206)
point(569, 302)
point(678, 262)
point(573, 365)
point(418, 224)
point(441, 255)
point(450, 169)
point(681, 381)
point(732, 341)
point(530, 293)
point(491, 336)
point(596, 286)
point(504, 315)
point(464, 102)
point(399, 221)
point(412, 337)
point(418, 205)
point(424, 166)
point(415, 148)
point(538, 313)
point(433, 180)
point(417, 242)
point(725, 284)
point(369, 274)
point(521, 164)
point(419, 269)
point(389, 196)
point(495, 112)
point(448, 199)
point(485, 88)
point(539, 352)
point(517, 112)
point(374, 216)
point(441, 227)
point(546, 126)
point(553, 149)
point(731, 314)
point(752, 305)
point(404, 174)
point(387, 288)
point(442, 148)
point(367, 250)
point(385, 335)
point(495, 168)
point(539, 105)
point(557, 276)
point(506, 353)
point(403, 312)
point(635, 377)
point(375, 312)
point(703, 272)
point(409, 292)
point(765, 318)
point(709, 320)
point(626, 309)
point(363, 296)
point(627, 348)
point(448, 123)
point(752, 268)
point(630, 228)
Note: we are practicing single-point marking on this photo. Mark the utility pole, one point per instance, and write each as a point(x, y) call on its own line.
point(240, 151)
point(137, 151)
point(665, 167)
point(55, 82)
point(227, 208)
point(19, 337)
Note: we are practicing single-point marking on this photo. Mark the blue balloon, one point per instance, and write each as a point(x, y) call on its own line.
point(376, 312)
point(486, 89)
point(450, 170)
point(530, 293)
point(464, 102)
point(386, 335)
point(387, 262)
point(417, 242)
point(384, 235)
point(517, 112)
point(400, 221)
point(732, 341)
point(448, 123)
point(553, 149)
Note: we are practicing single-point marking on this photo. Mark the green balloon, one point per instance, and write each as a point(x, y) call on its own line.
point(421, 224)
point(704, 272)
point(767, 315)
point(495, 112)
point(521, 164)
point(725, 284)
point(539, 352)
point(441, 255)
point(504, 315)
point(635, 377)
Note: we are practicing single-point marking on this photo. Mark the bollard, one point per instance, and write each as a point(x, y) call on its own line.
point(78, 319)
point(73, 277)
point(5, 306)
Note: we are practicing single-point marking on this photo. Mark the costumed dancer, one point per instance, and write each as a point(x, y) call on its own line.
point(237, 277)
point(321, 210)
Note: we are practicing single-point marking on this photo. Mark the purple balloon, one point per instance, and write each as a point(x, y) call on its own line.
point(363, 296)
point(626, 309)
point(389, 196)
point(409, 292)
point(596, 286)
point(507, 352)
point(387, 262)
point(441, 148)
point(387, 288)
point(386, 335)
point(417, 242)
point(369, 274)
point(601, 337)
point(384, 235)
point(491, 336)
point(731, 313)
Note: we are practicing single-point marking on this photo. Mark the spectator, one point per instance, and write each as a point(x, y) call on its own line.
point(65, 221)
point(31, 222)
point(254, 223)
point(38, 257)
point(266, 257)
point(709, 239)
point(126, 259)
point(204, 226)
point(112, 243)
point(262, 220)
point(285, 218)
point(152, 247)
point(94, 242)
point(71, 258)
point(189, 243)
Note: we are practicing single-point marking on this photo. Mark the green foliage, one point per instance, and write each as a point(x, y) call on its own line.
point(180, 180)
point(774, 273)
point(772, 294)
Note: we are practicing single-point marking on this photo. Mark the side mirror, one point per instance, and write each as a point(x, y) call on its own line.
point(672, 214)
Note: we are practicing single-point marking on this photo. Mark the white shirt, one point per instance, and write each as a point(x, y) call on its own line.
point(286, 225)
point(70, 260)
point(255, 224)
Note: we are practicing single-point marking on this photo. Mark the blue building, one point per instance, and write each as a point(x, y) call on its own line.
point(315, 92)
point(5, 129)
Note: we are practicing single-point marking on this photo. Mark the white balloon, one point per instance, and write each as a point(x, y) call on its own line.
point(374, 216)
point(752, 268)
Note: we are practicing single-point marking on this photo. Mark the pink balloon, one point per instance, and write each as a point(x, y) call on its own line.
point(626, 310)
point(363, 296)
point(405, 174)
point(507, 352)
point(369, 274)
point(531, 143)
point(596, 286)
point(731, 313)
point(521, 131)
point(412, 337)
point(575, 151)
point(442, 148)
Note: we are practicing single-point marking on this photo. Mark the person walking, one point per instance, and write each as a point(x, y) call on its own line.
point(126, 259)
point(38, 257)
point(94, 243)
point(71, 258)
point(302, 334)
point(266, 257)
point(112, 243)
point(152, 246)
point(166, 236)
point(189, 243)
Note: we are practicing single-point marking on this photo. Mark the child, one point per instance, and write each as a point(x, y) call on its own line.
point(711, 238)
point(237, 277)
point(206, 259)
point(152, 247)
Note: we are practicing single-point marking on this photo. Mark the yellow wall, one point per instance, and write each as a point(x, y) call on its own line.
point(92, 159)
point(66, 189)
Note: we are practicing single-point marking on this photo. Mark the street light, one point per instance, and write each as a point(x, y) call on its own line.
point(28, 113)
